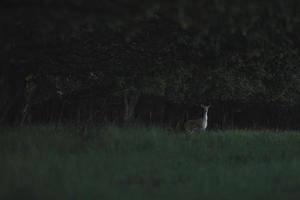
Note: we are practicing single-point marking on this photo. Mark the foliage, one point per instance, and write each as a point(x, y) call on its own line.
point(187, 52)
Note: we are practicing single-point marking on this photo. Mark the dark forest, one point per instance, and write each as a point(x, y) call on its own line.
point(151, 62)
point(149, 99)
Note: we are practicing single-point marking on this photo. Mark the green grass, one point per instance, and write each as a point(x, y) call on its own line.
point(148, 163)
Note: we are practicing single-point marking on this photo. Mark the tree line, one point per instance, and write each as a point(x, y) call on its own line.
point(151, 61)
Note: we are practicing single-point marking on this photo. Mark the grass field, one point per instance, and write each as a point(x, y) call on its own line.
point(148, 163)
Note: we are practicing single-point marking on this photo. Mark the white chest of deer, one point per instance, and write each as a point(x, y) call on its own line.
point(192, 126)
point(204, 122)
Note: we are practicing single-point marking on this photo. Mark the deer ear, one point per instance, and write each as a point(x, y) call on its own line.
point(202, 106)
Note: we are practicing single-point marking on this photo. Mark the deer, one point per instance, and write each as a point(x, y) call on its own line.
point(197, 125)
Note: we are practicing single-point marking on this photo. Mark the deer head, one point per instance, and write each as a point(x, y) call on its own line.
point(205, 107)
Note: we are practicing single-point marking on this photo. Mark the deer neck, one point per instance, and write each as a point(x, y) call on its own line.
point(205, 115)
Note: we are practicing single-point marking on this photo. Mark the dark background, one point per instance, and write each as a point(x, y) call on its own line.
point(152, 62)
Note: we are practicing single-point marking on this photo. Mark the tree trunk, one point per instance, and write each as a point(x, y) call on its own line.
point(181, 14)
point(12, 92)
point(30, 90)
point(5, 96)
point(25, 114)
point(130, 100)
point(60, 117)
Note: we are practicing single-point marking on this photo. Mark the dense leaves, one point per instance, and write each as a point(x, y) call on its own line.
point(111, 56)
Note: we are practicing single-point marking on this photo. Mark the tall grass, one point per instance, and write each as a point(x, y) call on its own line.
point(42, 162)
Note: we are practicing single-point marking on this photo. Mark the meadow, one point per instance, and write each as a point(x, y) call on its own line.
point(44, 162)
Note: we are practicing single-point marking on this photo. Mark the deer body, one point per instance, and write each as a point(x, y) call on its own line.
point(196, 125)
